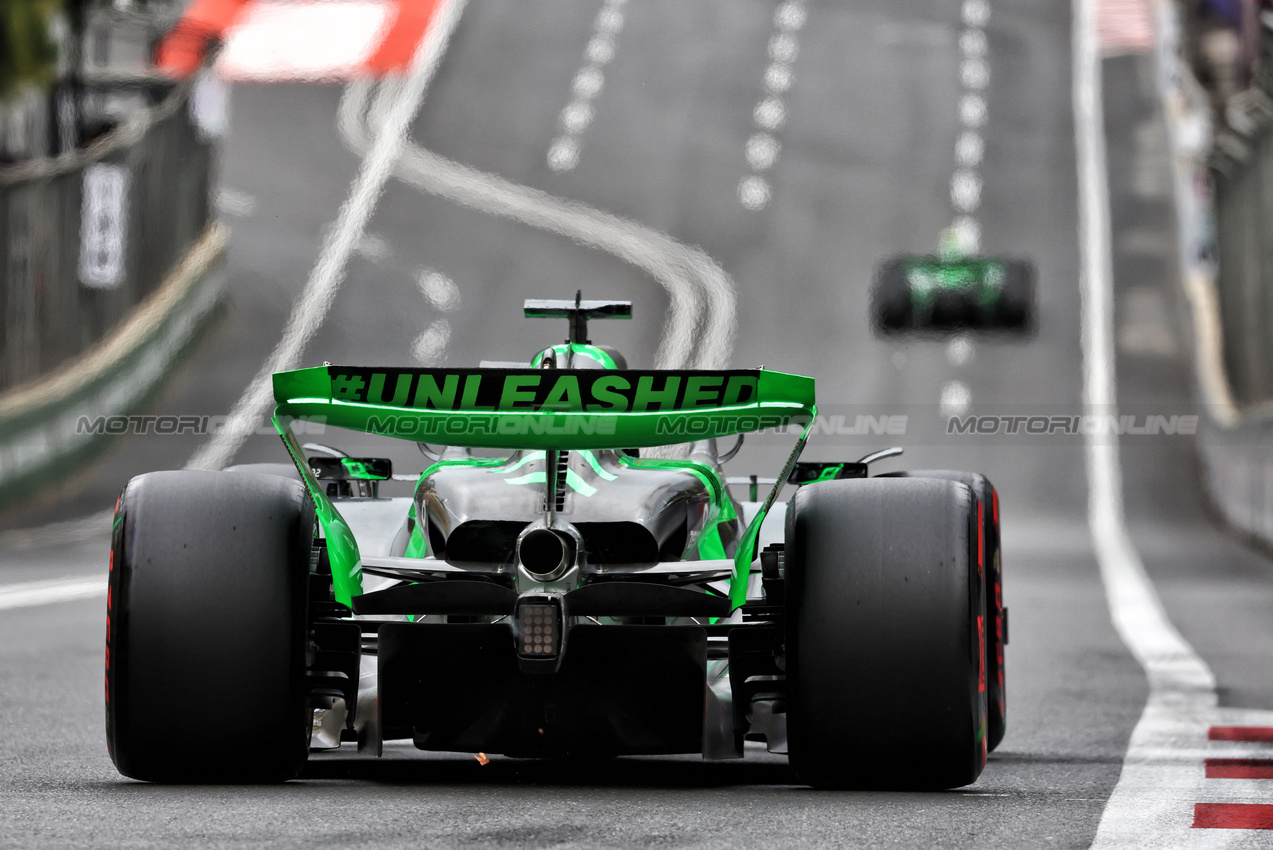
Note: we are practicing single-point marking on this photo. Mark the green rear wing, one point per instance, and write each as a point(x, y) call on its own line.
point(537, 409)
point(545, 408)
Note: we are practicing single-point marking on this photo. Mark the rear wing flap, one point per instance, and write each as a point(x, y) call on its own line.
point(545, 408)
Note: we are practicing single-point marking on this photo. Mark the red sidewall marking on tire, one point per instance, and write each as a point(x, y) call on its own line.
point(981, 654)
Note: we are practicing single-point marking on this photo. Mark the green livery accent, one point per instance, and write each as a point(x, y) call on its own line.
point(342, 548)
point(573, 480)
point(601, 471)
point(828, 474)
point(358, 470)
point(927, 276)
point(568, 349)
point(574, 410)
point(546, 408)
point(710, 547)
point(746, 552)
point(417, 546)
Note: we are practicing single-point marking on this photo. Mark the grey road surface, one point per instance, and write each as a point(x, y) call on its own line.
point(871, 123)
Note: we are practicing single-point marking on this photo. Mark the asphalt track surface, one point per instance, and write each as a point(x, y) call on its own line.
point(864, 172)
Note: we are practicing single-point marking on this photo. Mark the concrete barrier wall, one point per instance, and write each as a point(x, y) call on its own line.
point(86, 237)
point(85, 332)
point(1223, 182)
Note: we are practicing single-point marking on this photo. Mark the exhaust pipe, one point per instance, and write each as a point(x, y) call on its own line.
point(545, 554)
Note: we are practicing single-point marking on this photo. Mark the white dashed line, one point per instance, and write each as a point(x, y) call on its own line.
point(373, 248)
point(439, 290)
point(967, 232)
point(770, 114)
point(970, 149)
point(442, 294)
point(976, 13)
point(783, 48)
point(753, 192)
point(965, 190)
point(563, 153)
point(974, 74)
point(959, 351)
point(956, 399)
point(31, 593)
point(762, 151)
point(429, 346)
point(778, 78)
point(972, 110)
point(972, 41)
point(965, 183)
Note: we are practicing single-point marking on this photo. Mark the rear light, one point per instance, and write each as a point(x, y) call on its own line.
point(538, 627)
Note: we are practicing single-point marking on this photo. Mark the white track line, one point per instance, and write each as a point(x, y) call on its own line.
point(563, 153)
point(311, 308)
point(696, 285)
point(1152, 804)
point(955, 399)
point(31, 593)
point(439, 290)
point(974, 77)
point(965, 184)
point(770, 114)
point(442, 294)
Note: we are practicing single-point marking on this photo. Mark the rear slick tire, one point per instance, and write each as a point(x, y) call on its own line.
point(206, 628)
point(996, 613)
point(1016, 301)
point(891, 305)
point(885, 621)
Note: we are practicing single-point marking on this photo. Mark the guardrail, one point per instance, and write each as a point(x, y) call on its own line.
point(1241, 165)
point(109, 264)
point(87, 236)
point(1223, 180)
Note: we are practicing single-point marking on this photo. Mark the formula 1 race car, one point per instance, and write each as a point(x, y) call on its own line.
point(949, 291)
point(567, 598)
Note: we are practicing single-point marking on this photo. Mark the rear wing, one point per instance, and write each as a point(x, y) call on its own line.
point(551, 409)
point(545, 408)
